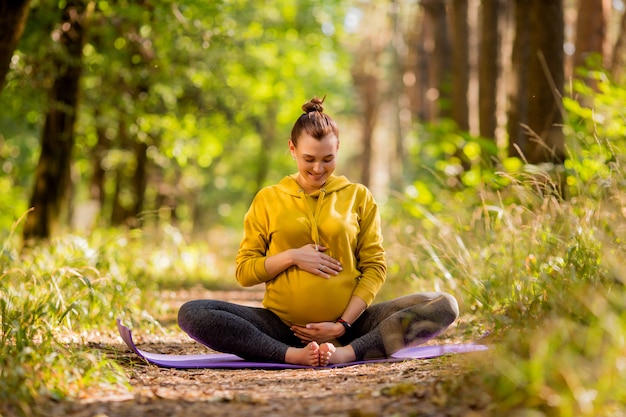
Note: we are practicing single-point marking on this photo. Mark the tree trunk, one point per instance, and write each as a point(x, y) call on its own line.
point(140, 177)
point(488, 68)
point(366, 78)
point(367, 87)
point(417, 71)
point(266, 127)
point(439, 68)
point(619, 51)
point(130, 179)
point(52, 175)
point(119, 210)
point(590, 31)
point(460, 64)
point(518, 99)
point(398, 91)
point(13, 16)
point(545, 86)
point(96, 183)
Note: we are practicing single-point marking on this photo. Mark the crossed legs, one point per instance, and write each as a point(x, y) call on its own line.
point(249, 332)
point(258, 334)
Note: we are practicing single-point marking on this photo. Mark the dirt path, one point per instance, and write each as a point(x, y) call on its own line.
point(412, 388)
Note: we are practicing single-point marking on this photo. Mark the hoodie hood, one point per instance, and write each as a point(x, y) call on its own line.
point(334, 183)
point(290, 186)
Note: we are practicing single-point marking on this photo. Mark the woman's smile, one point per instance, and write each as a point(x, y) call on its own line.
point(316, 160)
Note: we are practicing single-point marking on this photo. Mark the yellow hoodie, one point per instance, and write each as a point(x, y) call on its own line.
point(343, 217)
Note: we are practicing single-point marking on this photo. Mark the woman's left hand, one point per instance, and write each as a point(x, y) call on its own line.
point(318, 332)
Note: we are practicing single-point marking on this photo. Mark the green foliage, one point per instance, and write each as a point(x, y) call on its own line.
point(446, 163)
point(544, 275)
point(47, 295)
point(546, 280)
point(594, 160)
point(54, 296)
point(207, 87)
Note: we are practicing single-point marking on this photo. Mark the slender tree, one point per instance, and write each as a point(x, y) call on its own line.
point(416, 66)
point(52, 176)
point(97, 154)
point(366, 82)
point(439, 63)
point(619, 51)
point(13, 16)
point(546, 81)
point(460, 64)
point(133, 178)
point(121, 210)
point(590, 30)
point(399, 96)
point(266, 127)
point(366, 76)
point(518, 100)
point(489, 70)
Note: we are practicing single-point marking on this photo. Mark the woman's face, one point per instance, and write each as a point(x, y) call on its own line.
point(316, 160)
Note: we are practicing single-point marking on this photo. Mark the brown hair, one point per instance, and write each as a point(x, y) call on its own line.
point(314, 122)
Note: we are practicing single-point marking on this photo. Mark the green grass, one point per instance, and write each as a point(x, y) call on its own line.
point(53, 293)
point(545, 275)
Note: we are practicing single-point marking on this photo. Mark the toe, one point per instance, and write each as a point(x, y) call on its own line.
point(326, 352)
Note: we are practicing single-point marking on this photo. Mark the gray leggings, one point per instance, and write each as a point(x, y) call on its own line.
point(257, 334)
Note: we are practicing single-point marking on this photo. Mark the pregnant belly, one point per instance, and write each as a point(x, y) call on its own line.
point(309, 299)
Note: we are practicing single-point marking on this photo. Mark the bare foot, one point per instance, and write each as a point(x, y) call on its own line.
point(308, 355)
point(326, 352)
point(343, 354)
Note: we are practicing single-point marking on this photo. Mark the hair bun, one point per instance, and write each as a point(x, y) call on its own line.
point(316, 104)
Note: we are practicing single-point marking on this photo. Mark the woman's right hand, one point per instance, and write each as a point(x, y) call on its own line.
point(312, 259)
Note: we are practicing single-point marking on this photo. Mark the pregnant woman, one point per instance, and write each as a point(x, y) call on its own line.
point(315, 241)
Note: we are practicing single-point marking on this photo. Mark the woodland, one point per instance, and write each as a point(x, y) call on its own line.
point(134, 135)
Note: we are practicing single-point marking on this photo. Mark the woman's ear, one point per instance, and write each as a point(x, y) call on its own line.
point(292, 149)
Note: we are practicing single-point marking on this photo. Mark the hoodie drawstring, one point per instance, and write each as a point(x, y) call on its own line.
point(313, 217)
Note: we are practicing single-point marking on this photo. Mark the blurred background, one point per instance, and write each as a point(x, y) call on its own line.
point(119, 113)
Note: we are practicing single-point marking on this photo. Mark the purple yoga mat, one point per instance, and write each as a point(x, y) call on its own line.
point(228, 361)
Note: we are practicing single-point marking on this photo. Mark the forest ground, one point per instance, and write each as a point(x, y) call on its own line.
point(410, 388)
